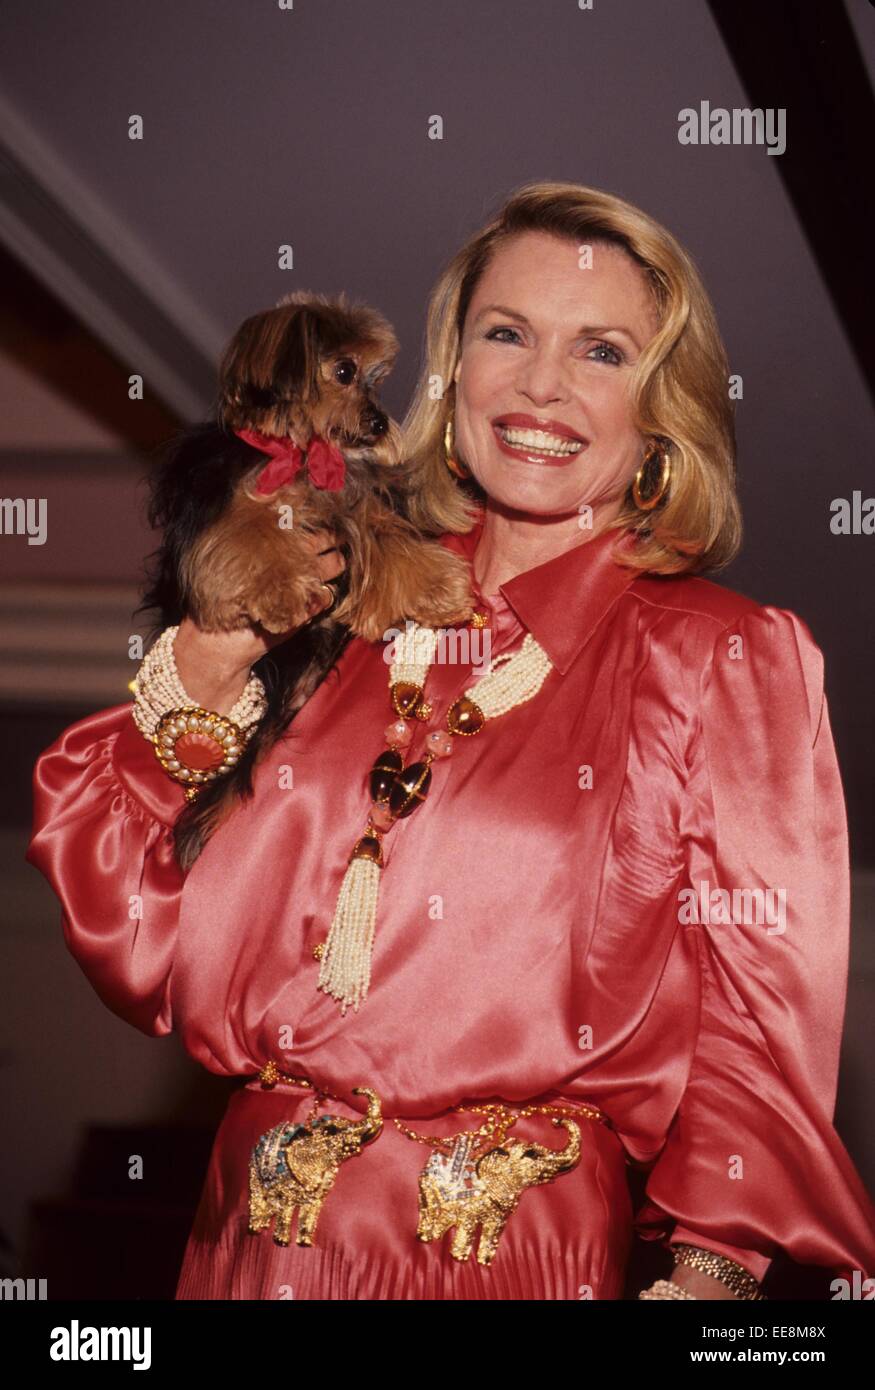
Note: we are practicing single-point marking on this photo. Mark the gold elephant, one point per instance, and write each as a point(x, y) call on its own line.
point(295, 1165)
point(454, 1191)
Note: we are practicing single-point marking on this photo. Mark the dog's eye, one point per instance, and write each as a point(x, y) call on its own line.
point(345, 371)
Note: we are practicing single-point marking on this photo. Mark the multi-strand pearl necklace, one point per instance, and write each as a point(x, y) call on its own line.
point(397, 790)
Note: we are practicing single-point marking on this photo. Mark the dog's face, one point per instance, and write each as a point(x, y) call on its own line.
point(312, 366)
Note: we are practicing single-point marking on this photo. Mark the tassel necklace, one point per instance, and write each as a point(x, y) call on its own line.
point(397, 790)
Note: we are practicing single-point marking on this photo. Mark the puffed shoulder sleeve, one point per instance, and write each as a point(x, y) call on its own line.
point(752, 1162)
point(102, 816)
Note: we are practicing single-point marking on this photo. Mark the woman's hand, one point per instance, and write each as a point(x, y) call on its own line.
point(214, 666)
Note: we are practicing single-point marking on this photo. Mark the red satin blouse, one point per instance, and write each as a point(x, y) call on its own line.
point(572, 913)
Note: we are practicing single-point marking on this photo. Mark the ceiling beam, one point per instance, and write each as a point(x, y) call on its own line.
point(804, 57)
point(92, 263)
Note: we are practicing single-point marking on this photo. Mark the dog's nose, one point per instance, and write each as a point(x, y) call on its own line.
point(375, 422)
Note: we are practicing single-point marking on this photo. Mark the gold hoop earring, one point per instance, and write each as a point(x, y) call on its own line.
point(646, 504)
point(459, 469)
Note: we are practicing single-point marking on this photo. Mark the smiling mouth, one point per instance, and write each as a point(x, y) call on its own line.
point(539, 441)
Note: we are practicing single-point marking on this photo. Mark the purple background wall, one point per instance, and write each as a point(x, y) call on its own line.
point(310, 126)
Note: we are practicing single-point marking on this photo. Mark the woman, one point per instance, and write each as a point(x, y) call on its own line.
point(615, 932)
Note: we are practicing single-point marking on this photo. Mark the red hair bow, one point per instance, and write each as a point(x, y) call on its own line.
point(325, 463)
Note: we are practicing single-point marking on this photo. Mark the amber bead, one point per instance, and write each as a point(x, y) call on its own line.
point(368, 847)
point(464, 717)
point(410, 789)
point(405, 698)
point(383, 774)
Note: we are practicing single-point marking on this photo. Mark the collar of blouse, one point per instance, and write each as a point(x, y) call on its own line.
point(562, 601)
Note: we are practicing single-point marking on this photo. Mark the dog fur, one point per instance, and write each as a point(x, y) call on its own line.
point(309, 367)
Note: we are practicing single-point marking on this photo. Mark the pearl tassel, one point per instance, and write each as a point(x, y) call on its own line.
point(345, 971)
point(346, 960)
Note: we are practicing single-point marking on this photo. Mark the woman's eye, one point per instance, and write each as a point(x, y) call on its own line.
point(614, 358)
point(609, 354)
point(494, 331)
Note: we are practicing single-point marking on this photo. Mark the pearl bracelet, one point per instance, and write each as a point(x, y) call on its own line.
point(193, 745)
point(665, 1288)
point(158, 690)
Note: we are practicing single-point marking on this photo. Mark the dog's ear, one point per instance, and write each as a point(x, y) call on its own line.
point(253, 400)
point(243, 387)
point(299, 347)
point(273, 358)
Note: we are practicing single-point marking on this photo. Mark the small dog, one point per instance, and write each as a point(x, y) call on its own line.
point(303, 374)
point(299, 445)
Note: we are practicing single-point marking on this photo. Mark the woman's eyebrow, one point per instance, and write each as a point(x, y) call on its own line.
point(588, 328)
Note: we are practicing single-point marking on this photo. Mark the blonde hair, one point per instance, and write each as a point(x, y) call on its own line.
point(679, 389)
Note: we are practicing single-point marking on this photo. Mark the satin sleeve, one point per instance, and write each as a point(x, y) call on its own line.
point(752, 1162)
point(102, 815)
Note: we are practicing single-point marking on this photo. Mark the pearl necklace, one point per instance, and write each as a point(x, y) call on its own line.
point(398, 790)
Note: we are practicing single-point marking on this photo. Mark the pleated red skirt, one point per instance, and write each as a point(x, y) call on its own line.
point(567, 1239)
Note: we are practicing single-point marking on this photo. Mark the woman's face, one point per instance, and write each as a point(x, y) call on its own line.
point(548, 346)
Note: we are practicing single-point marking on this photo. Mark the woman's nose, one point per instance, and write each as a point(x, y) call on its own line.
point(543, 376)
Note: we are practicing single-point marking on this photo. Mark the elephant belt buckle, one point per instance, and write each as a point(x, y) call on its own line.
point(294, 1166)
point(459, 1191)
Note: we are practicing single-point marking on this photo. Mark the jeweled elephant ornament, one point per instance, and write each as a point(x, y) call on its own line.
point(455, 1191)
point(295, 1165)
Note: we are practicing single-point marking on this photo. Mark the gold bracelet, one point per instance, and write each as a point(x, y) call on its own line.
point(729, 1272)
point(665, 1288)
point(195, 745)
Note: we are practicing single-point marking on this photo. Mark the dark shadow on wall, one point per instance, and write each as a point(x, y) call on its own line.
point(804, 58)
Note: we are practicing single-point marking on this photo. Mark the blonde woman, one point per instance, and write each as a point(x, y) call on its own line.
point(603, 922)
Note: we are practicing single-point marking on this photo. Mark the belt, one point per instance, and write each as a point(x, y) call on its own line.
point(472, 1183)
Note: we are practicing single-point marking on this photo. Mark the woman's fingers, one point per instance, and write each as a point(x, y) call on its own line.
point(329, 554)
point(330, 563)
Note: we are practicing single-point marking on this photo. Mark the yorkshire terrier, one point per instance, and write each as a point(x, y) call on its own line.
point(299, 444)
point(303, 375)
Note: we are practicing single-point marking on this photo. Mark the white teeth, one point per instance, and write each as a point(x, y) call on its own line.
point(551, 444)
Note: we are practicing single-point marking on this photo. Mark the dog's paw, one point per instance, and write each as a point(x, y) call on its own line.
point(249, 569)
point(439, 593)
point(423, 581)
point(281, 606)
